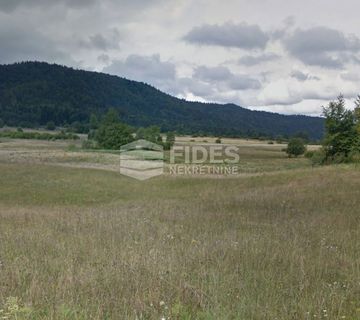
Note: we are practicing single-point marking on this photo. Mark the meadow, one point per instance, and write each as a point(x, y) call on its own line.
point(80, 241)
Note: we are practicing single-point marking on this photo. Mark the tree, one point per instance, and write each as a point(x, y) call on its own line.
point(170, 137)
point(93, 122)
point(111, 117)
point(2, 123)
point(151, 134)
point(340, 124)
point(357, 123)
point(113, 135)
point(170, 140)
point(296, 147)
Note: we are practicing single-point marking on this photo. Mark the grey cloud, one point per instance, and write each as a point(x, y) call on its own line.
point(11, 5)
point(222, 75)
point(197, 88)
point(212, 74)
point(322, 46)
point(103, 58)
point(22, 44)
point(301, 76)
point(242, 36)
point(102, 42)
point(287, 24)
point(241, 82)
point(249, 60)
point(149, 69)
point(350, 76)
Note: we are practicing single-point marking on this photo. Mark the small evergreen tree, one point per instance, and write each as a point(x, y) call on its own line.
point(111, 117)
point(93, 122)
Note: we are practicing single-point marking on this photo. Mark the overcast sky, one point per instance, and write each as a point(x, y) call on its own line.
point(274, 55)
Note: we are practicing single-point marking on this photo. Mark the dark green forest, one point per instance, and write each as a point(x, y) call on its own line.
point(33, 94)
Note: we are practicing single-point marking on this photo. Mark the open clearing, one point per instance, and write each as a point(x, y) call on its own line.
point(77, 243)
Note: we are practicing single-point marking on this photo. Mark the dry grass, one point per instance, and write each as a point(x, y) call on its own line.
point(87, 244)
point(255, 156)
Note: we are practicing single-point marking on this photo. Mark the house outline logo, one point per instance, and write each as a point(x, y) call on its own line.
point(142, 160)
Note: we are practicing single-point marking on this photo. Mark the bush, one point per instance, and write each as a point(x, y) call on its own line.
point(354, 157)
point(318, 157)
point(50, 125)
point(309, 154)
point(89, 144)
point(218, 140)
point(296, 147)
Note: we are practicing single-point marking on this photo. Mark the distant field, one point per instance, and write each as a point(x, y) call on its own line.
point(255, 156)
point(273, 243)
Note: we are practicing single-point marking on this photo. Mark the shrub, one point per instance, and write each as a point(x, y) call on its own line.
point(71, 147)
point(309, 154)
point(50, 125)
point(218, 140)
point(318, 157)
point(296, 147)
point(89, 144)
point(354, 157)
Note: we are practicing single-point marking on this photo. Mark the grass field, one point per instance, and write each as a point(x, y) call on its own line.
point(280, 241)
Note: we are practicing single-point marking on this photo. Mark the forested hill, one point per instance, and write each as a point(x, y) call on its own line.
point(34, 93)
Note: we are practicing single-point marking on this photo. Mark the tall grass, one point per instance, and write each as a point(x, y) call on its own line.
point(82, 244)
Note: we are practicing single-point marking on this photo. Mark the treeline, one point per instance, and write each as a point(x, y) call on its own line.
point(20, 134)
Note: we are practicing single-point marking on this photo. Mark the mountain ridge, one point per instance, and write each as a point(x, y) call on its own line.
point(34, 93)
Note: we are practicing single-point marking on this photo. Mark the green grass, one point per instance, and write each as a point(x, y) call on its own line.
point(87, 244)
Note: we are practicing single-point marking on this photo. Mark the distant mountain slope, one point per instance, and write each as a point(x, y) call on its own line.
point(33, 93)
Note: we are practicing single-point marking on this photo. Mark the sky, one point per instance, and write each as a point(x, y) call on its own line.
point(283, 56)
